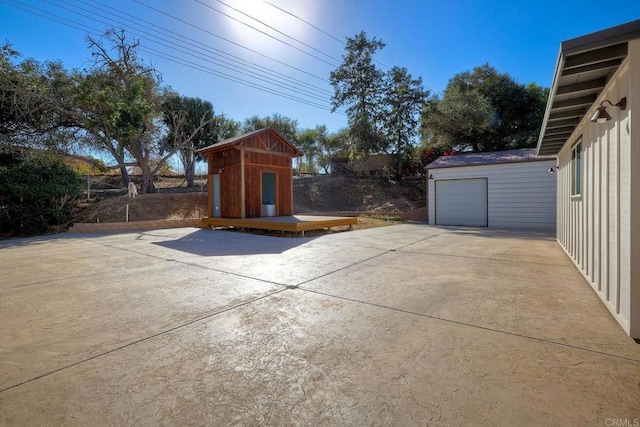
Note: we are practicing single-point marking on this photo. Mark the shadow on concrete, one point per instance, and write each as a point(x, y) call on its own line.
point(36, 240)
point(502, 233)
point(209, 243)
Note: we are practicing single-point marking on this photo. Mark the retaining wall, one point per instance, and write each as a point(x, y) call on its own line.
point(114, 227)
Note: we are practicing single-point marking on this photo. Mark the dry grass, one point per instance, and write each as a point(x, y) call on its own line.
point(146, 207)
point(334, 194)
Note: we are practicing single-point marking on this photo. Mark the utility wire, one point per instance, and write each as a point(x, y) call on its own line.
point(306, 22)
point(273, 28)
point(315, 27)
point(214, 59)
point(46, 15)
point(232, 78)
point(222, 63)
point(237, 79)
point(230, 57)
point(265, 33)
point(95, 32)
point(230, 41)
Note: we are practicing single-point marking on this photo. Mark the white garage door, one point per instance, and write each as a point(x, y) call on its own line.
point(461, 202)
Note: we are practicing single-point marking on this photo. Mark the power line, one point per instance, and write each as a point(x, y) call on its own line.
point(315, 27)
point(222, 63)
point(228, 66)
point(230, 41)
point(265, 33)
point(272, 28)
point(198, 67)
point(247, 74)
point(46, 15)
point(208, 56)
point(85, 28)
point(306, 22)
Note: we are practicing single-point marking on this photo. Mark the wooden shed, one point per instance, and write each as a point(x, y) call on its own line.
point(251, 175)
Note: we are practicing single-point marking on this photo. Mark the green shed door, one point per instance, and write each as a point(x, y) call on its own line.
point(268, 188)
point(216, 196)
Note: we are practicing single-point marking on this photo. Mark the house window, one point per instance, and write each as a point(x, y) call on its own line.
point(576, 169)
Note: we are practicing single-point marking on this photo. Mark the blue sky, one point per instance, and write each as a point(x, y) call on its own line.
point(432, 39)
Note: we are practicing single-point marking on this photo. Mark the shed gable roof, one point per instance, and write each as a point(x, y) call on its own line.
point(488, 158)
point(585, 65)
point(242, 139)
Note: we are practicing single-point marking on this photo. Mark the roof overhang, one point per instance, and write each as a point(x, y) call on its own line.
point(236, 141)
point(584, 67)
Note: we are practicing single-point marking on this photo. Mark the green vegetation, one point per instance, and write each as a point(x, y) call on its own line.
point(120, 109)
point(484, 110)
point(383, 108)
point(37, 192)
point(117, 107)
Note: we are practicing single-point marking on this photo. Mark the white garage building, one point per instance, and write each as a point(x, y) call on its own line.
point(512, 188)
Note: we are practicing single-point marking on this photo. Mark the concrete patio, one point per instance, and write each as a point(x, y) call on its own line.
point(402, 325)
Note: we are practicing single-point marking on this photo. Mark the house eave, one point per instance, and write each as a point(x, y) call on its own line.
point(583, 69)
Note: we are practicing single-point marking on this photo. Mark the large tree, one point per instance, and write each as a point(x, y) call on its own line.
point(287, 126)
point(34, 99)
point(122, 99)
point(308, 143)
point(192, 125)
point(334, 144)
point(358, 86)
point(403, 100)
point(484, 110)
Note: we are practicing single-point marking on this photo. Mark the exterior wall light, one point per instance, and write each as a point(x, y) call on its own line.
point(601, 115)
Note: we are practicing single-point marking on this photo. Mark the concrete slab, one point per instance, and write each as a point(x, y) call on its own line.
point(400, 325)
point(286, 261)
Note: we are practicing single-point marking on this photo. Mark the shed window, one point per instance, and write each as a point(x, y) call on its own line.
point(576, 169)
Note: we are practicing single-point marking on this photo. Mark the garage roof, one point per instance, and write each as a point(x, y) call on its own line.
point(488, 158)
point(585, 65)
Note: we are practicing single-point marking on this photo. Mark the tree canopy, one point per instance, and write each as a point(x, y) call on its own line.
point(287, 126)
point(119, 106)
point(33, 98)
point(358, 85)
point(383, 108)
point(484, 110)
point(191, 125)
point(37, 191)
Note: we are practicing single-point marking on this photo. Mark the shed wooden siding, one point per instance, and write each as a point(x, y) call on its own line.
point(519, 194)
point(240, 162)
point(253, 185)
point(600, 230)
point(227, 164)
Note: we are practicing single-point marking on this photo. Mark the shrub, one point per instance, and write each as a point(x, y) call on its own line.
point(37, 192)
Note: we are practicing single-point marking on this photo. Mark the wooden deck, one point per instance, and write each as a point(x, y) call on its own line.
point(295, 223)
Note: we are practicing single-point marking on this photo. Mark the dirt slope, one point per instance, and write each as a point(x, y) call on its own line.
point(343, 193)
point(311, 194)
point(147, 207)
